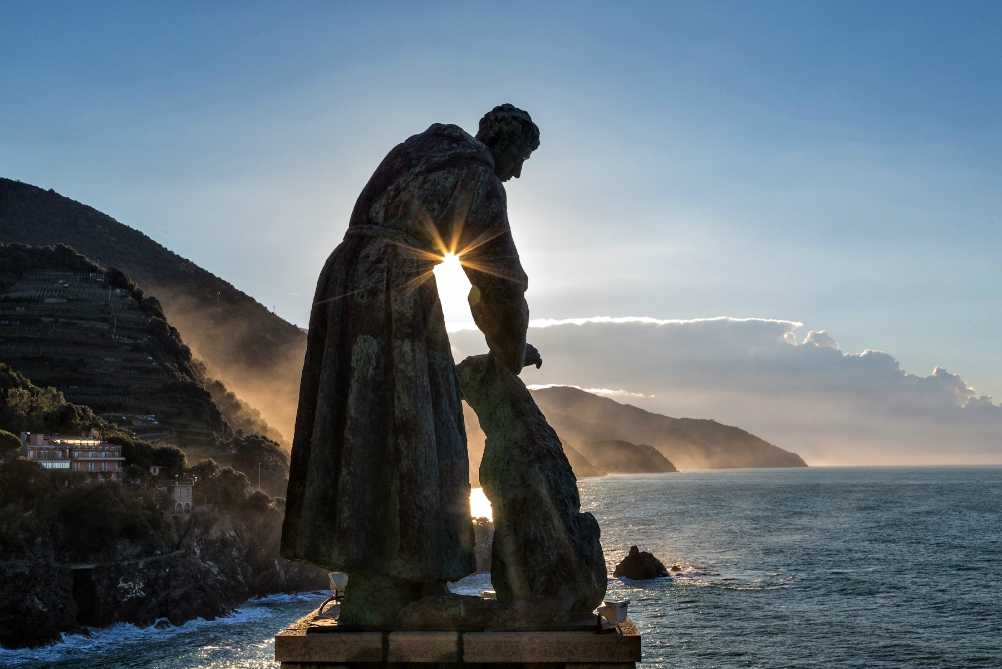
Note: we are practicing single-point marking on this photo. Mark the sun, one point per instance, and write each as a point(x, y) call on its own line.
point(450, 263)
point(453, 287)
point(480, 506)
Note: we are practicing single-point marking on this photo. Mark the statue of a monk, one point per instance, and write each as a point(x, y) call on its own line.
point(379, 484)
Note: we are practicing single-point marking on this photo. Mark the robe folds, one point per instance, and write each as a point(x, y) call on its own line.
point(379, 474)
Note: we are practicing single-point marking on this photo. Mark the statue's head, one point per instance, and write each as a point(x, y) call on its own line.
point(511, 136)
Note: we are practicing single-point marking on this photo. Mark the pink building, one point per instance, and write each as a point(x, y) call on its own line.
point(80, 454)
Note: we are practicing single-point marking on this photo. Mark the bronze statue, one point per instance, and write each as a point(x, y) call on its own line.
point(379, 483)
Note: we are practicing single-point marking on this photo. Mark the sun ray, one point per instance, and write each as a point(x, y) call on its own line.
point(486, 269)
point(413, 284)
point(483, 238)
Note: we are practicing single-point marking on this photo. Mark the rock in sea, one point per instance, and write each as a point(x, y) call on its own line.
point(640, 566)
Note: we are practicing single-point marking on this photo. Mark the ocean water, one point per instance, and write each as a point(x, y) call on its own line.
point(832, 567)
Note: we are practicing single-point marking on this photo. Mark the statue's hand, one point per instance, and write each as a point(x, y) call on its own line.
point(532, 356)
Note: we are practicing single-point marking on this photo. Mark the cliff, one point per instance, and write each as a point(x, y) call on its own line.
point(75, 553)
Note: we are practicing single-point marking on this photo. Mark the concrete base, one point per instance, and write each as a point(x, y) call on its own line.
point(313, 643)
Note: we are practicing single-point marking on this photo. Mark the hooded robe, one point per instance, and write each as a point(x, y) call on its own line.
point(379, 474)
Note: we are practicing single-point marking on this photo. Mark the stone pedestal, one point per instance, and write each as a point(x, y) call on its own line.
point(314, 643)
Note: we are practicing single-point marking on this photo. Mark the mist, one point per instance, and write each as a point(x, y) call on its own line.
point(268, 383)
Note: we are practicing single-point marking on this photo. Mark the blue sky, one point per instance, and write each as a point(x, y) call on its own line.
point(834, 164)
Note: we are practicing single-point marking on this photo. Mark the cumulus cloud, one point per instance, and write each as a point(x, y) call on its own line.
point(829, 406)
point(820, 338)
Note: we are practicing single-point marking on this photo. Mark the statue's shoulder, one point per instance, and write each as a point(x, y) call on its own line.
point(447, 142)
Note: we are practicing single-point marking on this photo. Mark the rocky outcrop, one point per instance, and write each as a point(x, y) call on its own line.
point(219, 566)
point(640, 566)
point(545, 549)
point(37, 604)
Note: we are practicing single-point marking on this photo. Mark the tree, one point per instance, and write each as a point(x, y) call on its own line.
point(171, 458)
point(9, 443)
point(204, 469)
point(226, 486)
point(254, 450)
point(26, 407)
point(258, 502)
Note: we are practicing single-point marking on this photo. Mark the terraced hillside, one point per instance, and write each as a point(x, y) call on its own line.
point(254, 352)
point(102, 343)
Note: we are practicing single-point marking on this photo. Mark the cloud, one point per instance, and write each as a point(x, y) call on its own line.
point(820, 339)
point(829, 406)
point(594, 391)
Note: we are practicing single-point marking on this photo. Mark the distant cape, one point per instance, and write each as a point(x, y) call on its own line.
point(688, 443)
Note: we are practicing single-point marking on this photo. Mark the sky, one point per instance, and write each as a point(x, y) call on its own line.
point(832, 164)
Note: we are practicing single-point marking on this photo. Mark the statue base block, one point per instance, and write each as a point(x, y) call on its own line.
point(314, 643)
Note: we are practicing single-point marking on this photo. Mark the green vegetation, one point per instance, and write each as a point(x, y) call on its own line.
point(254, 450)
point(21, 258)
point(24, 407)
point(231, 489)
point(9, 443)
point(142, 455)
point(71, 518)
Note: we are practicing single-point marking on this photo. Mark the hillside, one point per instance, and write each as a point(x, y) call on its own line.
point(586, 458)
point(66, 324)
point(97, 338)
point(687, 442)
point(622, 457)
point(241, 339)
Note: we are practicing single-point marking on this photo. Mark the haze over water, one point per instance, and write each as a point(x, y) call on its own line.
point(841, 567)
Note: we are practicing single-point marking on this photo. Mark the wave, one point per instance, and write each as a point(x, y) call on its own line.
point(104, 639)
point(474, 584)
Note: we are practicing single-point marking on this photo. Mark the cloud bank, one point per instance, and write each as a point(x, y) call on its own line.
point(806, 395)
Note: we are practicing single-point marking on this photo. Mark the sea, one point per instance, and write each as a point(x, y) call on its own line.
point(819, 567)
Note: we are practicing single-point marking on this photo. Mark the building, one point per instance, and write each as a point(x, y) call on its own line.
point(88, 455)
point(184, 498)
